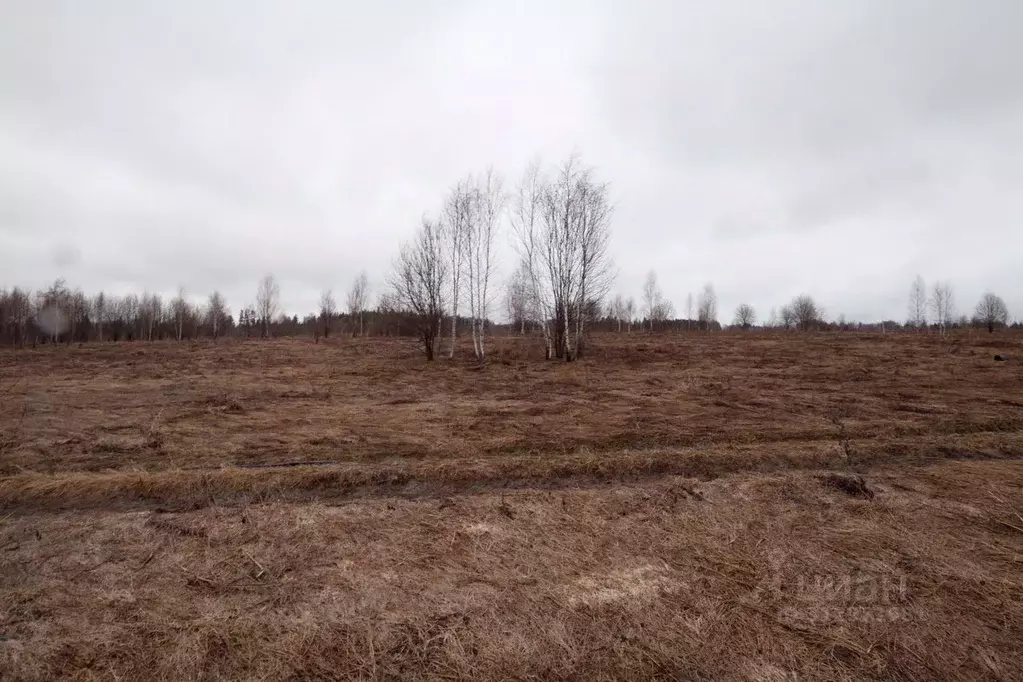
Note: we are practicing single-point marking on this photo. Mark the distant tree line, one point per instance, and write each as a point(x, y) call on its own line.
point(442, 281)
point(62, 314)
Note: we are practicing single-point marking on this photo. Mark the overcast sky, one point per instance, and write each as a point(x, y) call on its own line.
point(772, 148)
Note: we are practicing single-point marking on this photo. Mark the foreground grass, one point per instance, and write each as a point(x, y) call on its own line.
point(186, 489)
point(745, 577)
point(699, 507)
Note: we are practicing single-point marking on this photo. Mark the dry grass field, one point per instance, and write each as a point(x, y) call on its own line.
point(725, 506)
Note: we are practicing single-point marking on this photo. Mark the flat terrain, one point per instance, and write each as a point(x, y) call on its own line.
point(722, 506)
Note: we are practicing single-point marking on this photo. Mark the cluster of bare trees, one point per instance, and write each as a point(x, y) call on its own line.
point(802, 313)
point(16, 312)
point(560, 222)
point(356, 302)
point(659, 312)
point(562, 227)
point(938, 308)
point(454, 254)
point(622, 312)
point(658, 308)
point(940, 304)
point(473, 213)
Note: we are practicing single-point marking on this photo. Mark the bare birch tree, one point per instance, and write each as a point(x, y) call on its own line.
point(420, 280)
point(458, 214)
point(52, 309)
point(535, 245)
point(216, 313)
point(616, 311)
point(99, 311)
point(130, 314)
point(487, 201)
point(179, 309)
point(517, 302)
point(630, 312)
point(78, 313)
point(562, 231)
point(328, 309)
point(942, 304)
point(357, 301)
point(150, 310)
point(689, 310)
point(918, 303)
point(651, 296)
point(593, 213)
point(21, 313)
point(707, 307)
point(268, 302)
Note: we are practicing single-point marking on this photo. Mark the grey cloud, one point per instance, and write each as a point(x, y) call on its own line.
point(889, 129)
point(772, 148)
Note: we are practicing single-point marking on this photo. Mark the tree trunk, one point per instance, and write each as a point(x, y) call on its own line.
point(477, 339)
point(428, 345)
point(454, 324)
point(566, 337)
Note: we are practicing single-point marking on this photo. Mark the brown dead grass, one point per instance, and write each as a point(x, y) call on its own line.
point(705, 507)
point(172, 406)
point(675, 578)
